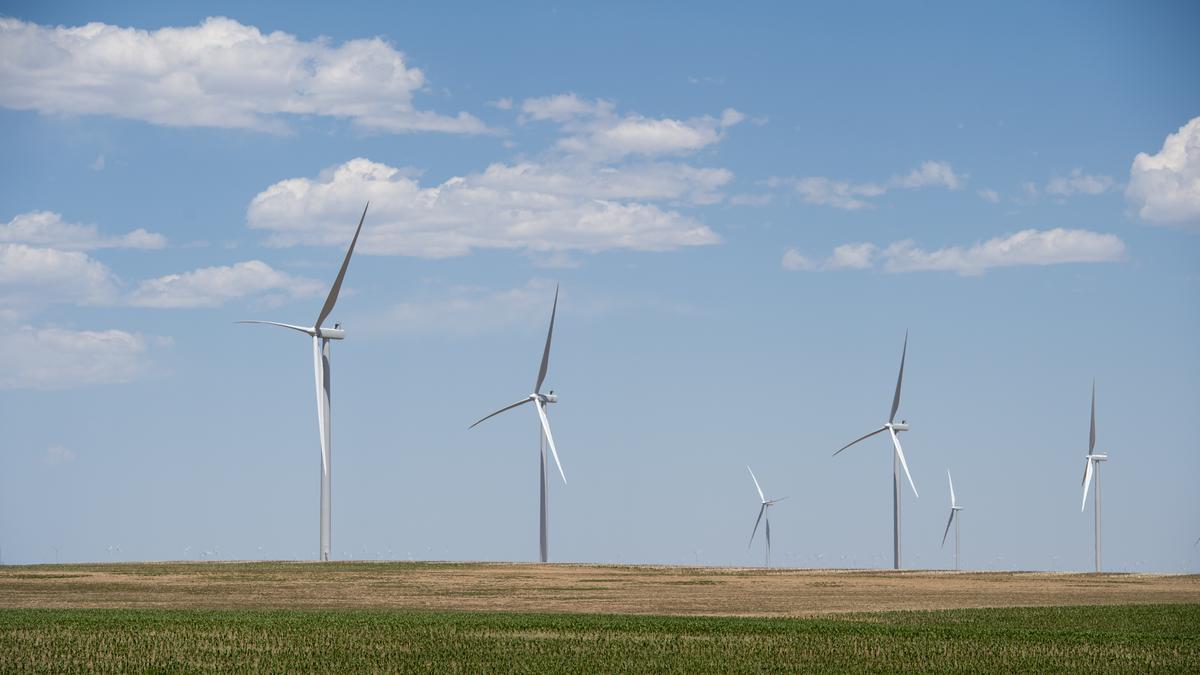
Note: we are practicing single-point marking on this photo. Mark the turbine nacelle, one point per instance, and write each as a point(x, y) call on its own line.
point(545, 398)
point(902, 425)
point(331, 333)
point(1097, 458)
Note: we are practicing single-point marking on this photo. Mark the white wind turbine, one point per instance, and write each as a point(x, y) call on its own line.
point(762, 512)
point(893, 428)
point(1093, 466)
point(954, 509)
point(544, 436)
point(320, 340)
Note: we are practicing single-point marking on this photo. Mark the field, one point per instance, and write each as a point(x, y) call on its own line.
point(553, 618)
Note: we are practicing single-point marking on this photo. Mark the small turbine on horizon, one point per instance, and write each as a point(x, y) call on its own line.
point(320, 340)
point(545, 438)
point(954, 509)
point(1093, 460)
point(762, 513)
point(893, 428)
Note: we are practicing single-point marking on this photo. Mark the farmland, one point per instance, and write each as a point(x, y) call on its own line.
point(552, 618)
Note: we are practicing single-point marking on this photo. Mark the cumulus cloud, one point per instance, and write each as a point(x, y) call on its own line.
point(32, 276)
point(1024, 248)
point(213, 286)
point(990, 196)
point(46, 228)
point(1165, 187)
point(219, 73)
point(850, 196)
point(794, 260)
point(54, 358)
point(598, 132)
point(1078, 183)
point(531, 207)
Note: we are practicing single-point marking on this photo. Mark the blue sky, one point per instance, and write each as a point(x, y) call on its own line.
point(746, 209)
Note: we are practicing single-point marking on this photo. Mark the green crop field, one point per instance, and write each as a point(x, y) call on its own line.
point(1128, 638)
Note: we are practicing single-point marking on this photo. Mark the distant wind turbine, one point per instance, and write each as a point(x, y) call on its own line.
point(954, 509)
point(762, 513)
point(1093, 467)
point(320, 339)
point(893, 428)
point(544, 436)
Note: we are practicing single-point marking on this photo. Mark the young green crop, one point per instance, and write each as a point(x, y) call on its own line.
point(1157, 638)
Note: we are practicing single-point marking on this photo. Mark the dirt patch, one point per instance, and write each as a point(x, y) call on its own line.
point(603, 589)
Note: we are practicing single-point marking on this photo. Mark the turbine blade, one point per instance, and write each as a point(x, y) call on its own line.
point(899, 381)
point(302, 329)
point(761, 510)
point(900, 454)
point(953, 501)
point(507, 407)
point(860, 438)
point(537, 388)
point(322, 410)
point(768, 536)
point(550, 439)
point(1092, 439)
point(947, 532)
point(1087, 481)
point(331, 300)
point(756, 486)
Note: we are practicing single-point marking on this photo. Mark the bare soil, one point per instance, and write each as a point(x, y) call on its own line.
point(592, 589)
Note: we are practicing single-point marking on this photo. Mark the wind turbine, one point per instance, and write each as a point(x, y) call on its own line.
point(762, 511)
point(893, 428)
point(1093, 467)
point(954, 509)
point(544, 436)
point(320, 340)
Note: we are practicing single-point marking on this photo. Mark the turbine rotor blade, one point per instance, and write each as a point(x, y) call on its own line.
point(860, 438)
point(900, 454)
point(302, 329)
point(550, 439)
point(322, 410)
point(537, 388)
point(899, 381)
point(331, 299)
point(761, 510)
point(947, 532)
point(1087, 481)
point(507, 407)
point(1092, 439)
point(756, 486)
point(953, 501)
point(768, 536)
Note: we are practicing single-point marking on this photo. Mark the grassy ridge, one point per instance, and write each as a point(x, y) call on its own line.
point(1096, 639)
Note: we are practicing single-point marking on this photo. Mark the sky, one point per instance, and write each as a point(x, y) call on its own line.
point(746, 208)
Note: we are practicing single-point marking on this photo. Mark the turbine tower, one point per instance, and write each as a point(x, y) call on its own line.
point(762, 512)
point(320, 340)
point(544, 436)
point(954, 509)
point(893, 428)
point(1093, 467)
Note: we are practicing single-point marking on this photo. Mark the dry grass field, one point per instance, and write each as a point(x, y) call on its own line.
point(566, 588)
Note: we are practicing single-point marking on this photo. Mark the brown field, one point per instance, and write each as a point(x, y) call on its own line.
point(598, 589)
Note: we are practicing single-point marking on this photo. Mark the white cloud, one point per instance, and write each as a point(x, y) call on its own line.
point(526, 206)
point(1024, 248)
point(794, 261)
point(854, 196)
point(213, 286)
point(852, 257)
point(54, 358)
point(46, 228)
point(1078, 183)
point(219, 73)
point(990, 196)
point(597, 132)
point(58, 455)
point(33, 276)
point(1165, 187)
